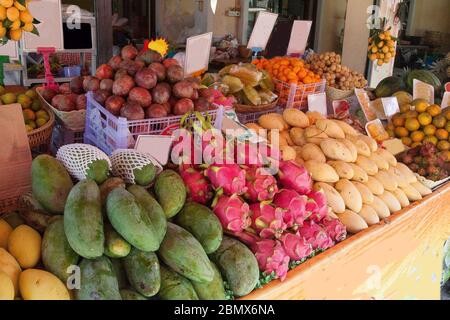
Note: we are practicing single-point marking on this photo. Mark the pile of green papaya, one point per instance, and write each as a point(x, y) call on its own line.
point(133, 243)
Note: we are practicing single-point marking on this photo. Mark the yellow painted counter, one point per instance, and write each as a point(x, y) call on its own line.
point(401, 258)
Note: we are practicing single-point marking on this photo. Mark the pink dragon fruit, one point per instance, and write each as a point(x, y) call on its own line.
point(272, 258)
point(228, 177)
point(316, 236)
point(267, 221)
point(260, 185)
point(295, 207)
point(317, 205)
point(198, 187)
point(296, 246)
point(295, 177)
point(248, 237)
point(233, 212)
point(335, 229)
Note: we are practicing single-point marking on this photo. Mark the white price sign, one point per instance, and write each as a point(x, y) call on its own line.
point(263, 29)
point(318, 103)
point(299, 37)
point(198, 50)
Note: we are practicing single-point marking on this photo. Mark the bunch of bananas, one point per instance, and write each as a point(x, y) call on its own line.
point(15, 19)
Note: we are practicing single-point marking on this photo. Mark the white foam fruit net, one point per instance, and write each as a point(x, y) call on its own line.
point(124, 162)
point(77, 158)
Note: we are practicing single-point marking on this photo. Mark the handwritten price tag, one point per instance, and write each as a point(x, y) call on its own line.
point(424, 91)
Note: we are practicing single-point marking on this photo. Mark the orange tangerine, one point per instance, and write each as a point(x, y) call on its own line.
point(441, 134)
point(407, 141)
point(431, 139)
point(434, 110)
point(401, 132)
point(417, 136)
point(429, 130)
point(425, 119)
point(412, 124)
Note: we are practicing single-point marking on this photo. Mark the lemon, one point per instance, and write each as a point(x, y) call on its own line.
point(2, 13)
point(19, 6)
point(15, 25)
point(28, 128)
point(374, 49)
point(12, 13)
point(425, 119)
point(385, 49)
point(381, 44)
point(412, 124)
point(15, 34)
point(6, 3)
point(28, 27)
point(26, 17)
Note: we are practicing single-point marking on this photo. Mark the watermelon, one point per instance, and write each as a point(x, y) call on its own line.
point(424, 76)
point(388, 86)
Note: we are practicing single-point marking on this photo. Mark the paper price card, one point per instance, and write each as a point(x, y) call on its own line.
point(424, 91)
point(263, 29)
point(446, 100)
point(390, 106)
point(318, 103)
point(156, 146)
point(299, 37)
point(198, 50)
point(364, 102)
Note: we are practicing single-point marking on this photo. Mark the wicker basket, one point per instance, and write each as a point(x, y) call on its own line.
point(74, 120)
point(43, 134)
point(8, 205)
point(243, 108)
point(337, 94)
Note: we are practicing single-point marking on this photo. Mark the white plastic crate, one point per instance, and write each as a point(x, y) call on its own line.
point(109, 133)
point(296, 95)
point(245, 118)
point(63, 136)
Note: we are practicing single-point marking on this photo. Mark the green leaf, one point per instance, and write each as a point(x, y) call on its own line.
point(36, 21)
point(7, 23)
point(35, 31)
point(22, 2)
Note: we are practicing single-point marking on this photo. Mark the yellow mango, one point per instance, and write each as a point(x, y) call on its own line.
point(5, 231)
point(6, 287)
point(11, 267)
point(42, 285)
point(24, 244)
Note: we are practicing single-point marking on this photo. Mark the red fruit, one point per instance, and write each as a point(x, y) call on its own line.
point(146, 78)
point(76, 85)
point(91, 84)
point(141, 96)
point(175, 74)
point(267, 220)
point(131, 66)
point(120, 73)
point(183, 106)
point(198, 187)
point(65, 88)
point(114, 62)
point(114, 104)
point(170, 62)
point(202, 104)
point(159, 69)
point(261, 186)
point(228, 177)
point(105, 71)
point(106, 84)
point(63, 103)
point(316, 236)
point(233, 212)
point(81, 102)
point(161, 93)
point(295, 177)
point(48, 94)
point(156, 111)
point(101, 95)
point(123, 86)
point(173, 101)
point(132, 111)
point(73, 97)
point(168, 107)
point(129, 52)
point(149, 56)
point(183, 89)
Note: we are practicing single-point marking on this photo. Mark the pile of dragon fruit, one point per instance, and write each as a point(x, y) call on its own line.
point(280, 218)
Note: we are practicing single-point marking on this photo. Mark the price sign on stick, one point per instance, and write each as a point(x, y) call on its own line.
point(15, 157)
point(424, 91)
point(318, 103)
point(263, 29)
point(390, 106)
point(197, 54)
point(156, 146)
point(299, 37)
point(446, 100)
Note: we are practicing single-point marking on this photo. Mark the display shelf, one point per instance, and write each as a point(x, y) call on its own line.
point(400, 258)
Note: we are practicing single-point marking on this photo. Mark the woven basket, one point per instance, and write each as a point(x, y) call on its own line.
point(42, 135)
point(243, 108)
point(8, 205)
point(74, 120)
point(337, 94)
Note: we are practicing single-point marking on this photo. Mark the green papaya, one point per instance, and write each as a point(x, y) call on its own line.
point(57, 254)
point(185, 255)
point(170, 192)
point(130, 295)
point(203, 224)
point(98, 280)
point(213, 290)
point(142, 270)
point(131, 221)
point(175, 286)
point(98, 171)
point(238, 265)
point(145, 176)
point(115, 245)
point(51, 183)
point(152, 208)
point(83, 220)
point(120, 273)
